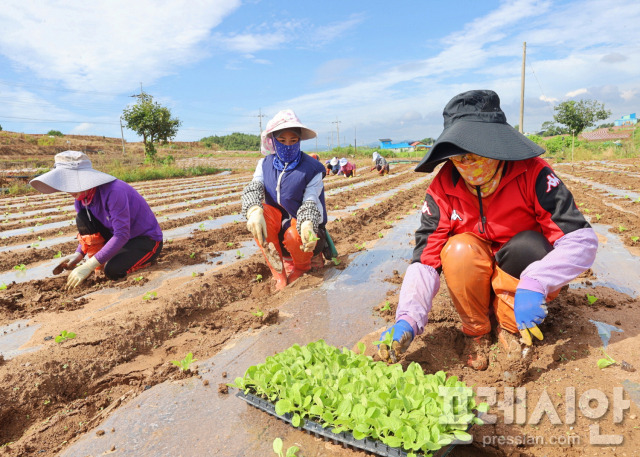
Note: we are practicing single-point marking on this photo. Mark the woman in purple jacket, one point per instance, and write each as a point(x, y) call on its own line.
point(117, 229)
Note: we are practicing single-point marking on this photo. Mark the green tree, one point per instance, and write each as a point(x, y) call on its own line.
point(549, 128)
point(579, 115)
point(152, 121)
point(428, 140)
point(54, 133)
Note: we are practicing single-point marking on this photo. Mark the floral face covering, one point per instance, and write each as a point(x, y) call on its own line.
point(479, 171)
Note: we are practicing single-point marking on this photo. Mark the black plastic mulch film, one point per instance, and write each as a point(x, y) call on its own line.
point(344, 438)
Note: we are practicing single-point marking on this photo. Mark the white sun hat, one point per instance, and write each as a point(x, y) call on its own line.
point(72, 172)
point(334, 161)
point(285, 119)
point(343, 161)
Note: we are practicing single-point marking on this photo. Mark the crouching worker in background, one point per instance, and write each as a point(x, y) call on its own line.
point(380, 164)
point(284, 203)
point(117, 229)
point(347, 168)
point(500, 225)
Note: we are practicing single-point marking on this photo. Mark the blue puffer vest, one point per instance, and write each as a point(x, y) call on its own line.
point(292, 184)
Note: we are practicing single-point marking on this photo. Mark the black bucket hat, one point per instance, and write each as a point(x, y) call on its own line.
point(474, 122)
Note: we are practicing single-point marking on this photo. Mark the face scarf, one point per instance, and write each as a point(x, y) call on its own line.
point(86, 197)
point(479, 171)
point(288, 156)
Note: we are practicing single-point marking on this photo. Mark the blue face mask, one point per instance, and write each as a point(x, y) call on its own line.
point(287, 155)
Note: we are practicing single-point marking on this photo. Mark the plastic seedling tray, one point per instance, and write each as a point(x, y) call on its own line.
point(344, 438)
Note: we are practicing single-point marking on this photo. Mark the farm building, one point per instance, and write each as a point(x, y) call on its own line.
point(386, 144)
point(629, 119)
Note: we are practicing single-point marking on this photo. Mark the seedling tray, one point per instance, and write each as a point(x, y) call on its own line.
point(344, 438)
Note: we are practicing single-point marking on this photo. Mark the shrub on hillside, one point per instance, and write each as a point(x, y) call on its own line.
point(54, 133)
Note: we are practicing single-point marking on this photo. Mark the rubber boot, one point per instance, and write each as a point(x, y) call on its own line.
point(273, 257)
point(301, 259)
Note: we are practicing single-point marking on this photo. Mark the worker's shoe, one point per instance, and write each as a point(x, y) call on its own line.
point(510, 343)
point(477, 351)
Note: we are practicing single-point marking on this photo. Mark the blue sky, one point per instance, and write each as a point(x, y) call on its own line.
point(382, 69)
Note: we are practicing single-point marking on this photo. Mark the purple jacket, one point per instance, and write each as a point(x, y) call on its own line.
point(122, 210)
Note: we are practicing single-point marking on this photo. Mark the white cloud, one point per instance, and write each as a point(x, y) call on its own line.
point(325, 34)
point(107, 44)
point(548, 99)
point(576, 92)
point(84, 128)
point(251, 43)
point(628, 94)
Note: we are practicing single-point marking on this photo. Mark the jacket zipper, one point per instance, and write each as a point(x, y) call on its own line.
point(278, 184)
point(483, 220)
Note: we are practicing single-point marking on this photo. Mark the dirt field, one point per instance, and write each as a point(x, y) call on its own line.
point(208, 290)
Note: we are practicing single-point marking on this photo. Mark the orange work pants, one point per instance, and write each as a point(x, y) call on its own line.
point(291, 241)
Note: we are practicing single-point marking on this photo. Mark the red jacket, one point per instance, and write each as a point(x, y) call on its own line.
point(529, 197)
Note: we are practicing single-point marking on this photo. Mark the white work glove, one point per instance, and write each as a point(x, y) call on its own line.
point(308, 236)
point(79, 274)
point(68, 263)
point(256, 224)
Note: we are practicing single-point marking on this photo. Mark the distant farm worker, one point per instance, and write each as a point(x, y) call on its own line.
point(117, 229)
point(380, 164)
point(500, 225)
point(333, 166)
point(347, 168)
point(284, 203)
point(315, 156)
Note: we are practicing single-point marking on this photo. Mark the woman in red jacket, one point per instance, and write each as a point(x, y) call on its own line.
point(500, 225)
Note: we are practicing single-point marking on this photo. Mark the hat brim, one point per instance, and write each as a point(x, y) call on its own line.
point(305, 132)
point(66, 180)
point(487, 139)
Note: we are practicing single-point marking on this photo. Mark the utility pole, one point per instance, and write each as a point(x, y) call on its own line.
point(355, 142)
point(260, 116)
point(337, 122)
point(122, 133)
point(524, 57)
point(331, 144)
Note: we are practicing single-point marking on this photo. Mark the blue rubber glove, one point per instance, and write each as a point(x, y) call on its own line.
point(402, 338)
point(530, 310)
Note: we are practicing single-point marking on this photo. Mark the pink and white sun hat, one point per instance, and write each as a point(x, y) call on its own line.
point(285, 119)
point(72, 172)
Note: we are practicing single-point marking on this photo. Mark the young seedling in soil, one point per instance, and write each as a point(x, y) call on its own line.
point(388, 339)
point(150, 296)
point(58, 255)
point(185, 363)
point(386, 307)
point(635, 238)
point(239, 254)
point(64, 336)
point(380, 235)
point(3, 286)
point(592, 299)
point(201, 227)
point(608, 361)
point(230, 244)
point(336, 261)
point(20, 267)
point(598, 217)
point(258, 278)
point(621, 228)
point(192, 255)
point(258, 313)
point(139, 278)
point(277, 448)
point(359, 247)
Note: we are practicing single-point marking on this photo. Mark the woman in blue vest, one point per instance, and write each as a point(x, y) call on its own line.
point(284, 203)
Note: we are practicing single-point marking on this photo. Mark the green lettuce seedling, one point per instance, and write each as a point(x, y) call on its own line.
point(312, 236)
point(388, 339)
point(258, 312)
point(621, 228)
point(278, 445)
point(608, 361)
point(386, 307)
point(64, 336)
point(258, 278)
point(635, 238)
point(192, 255)
point(185, 363)
point(20, 267)
point(150, 296)
point(58, 255)
point(335, 260)
point(139, 278)
point(592, 299)
point(3, 286)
